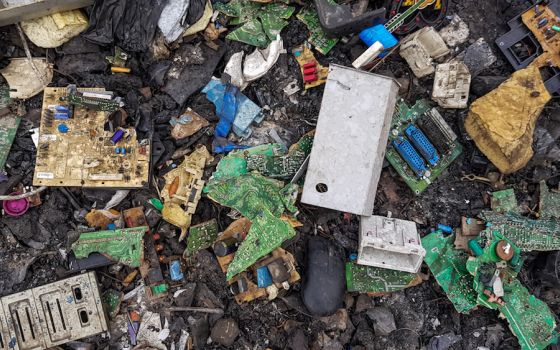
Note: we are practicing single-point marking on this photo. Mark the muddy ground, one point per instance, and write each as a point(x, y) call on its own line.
point(38, 239)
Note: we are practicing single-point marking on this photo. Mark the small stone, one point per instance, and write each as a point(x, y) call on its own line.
point(225, 331)
point(383, 320)
point(364, 302)
point(337, 321)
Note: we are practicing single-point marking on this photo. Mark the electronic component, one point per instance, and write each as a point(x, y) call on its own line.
point(9, 123)
point(53, 314)
point(99, 100)
point(78, 151)
point(503, 201)
point(405, 157)
point(410, 156)
point(422, 144)
point(549, 203)
point(371, 279)
point(390, 244)
point(312, 72)
point(437, 130)
point(452, 83)
point(124, 245)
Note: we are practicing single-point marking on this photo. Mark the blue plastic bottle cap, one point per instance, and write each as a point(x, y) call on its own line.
point(63, 128)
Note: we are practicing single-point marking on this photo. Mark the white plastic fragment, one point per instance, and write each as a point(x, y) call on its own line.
point(456, 32)
point(452, 83)
point(420, 48)
point(24, 82)
point(369, 55)
point(259, 62)
point(171, 20)
point(390, 243)
point(117, 198)
point(235, 71)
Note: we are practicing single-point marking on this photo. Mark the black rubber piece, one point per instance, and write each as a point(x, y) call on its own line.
point(324, 283)
point(338, 20)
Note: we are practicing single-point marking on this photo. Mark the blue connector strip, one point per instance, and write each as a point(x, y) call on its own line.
point(422, 144)
point(410, 156)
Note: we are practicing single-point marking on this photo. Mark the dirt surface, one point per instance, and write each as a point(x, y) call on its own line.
point(33, 247)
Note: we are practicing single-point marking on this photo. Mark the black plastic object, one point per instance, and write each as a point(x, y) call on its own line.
point(339, 20)
point(520, 47)
point(93, 261)
point(324, 282)
point(131, 24)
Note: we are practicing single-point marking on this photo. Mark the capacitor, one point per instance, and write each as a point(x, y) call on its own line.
point(61, 116)
point(117, 136)
point(310, 78)
point(309, 71)
point(309, 65)
point(542, 22)
point(226, 246)
point(475, 247)
point(60, 108)
point(63, 128)
point(264, 278)
point(240, 286)
point(445, 228)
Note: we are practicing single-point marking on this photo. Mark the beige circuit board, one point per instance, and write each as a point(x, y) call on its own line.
point(550, 44)
point(84, 155)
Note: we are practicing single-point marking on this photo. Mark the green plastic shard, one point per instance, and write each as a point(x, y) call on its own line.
point(201, 236)
point(235, 163)
point(528, 234)
point(549, 203)
point(125, 246)
point(317, 36)
point(448, 267)
point(260, 23)
point(262, 201)
point(530, 319)
point(371, 279)
point(282, 165)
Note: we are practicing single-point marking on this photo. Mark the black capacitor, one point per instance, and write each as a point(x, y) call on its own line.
point(239, 286)
point(226, 246)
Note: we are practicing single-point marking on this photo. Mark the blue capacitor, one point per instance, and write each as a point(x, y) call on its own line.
point(117, 150)
point(264, 278)
point(445, 228)
point(175, 271)
point(61, 116)
point(111, 227)
point(63, 109)
point(63, 128)
point(117, 136)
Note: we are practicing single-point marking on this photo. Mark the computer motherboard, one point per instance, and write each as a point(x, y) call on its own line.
point(421, 144)
point(76, 150)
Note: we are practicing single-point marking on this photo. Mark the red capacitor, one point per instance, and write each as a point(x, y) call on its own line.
point(309, 65)
point(310, 78)
point(309, 71)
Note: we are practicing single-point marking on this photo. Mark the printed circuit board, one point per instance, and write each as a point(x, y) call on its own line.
point(75, 149)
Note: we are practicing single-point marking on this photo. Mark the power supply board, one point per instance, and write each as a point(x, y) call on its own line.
point(75, 149)
point(421, 144)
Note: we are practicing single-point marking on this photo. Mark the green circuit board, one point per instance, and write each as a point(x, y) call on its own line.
point(530, 319)
point(549, 203)
point(402, 118)
point(201, 236)
point(448, 267)
point(9, 124)
point(504, 201)
point(371, 279)
point(125, 245)
point(317, 36)
point(527, 234)
point(282, 165)
point(262, 201)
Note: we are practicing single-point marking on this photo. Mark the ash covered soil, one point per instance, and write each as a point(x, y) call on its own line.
point(32, 246)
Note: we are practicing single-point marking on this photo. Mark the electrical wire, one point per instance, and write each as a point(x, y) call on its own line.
point(23, 195)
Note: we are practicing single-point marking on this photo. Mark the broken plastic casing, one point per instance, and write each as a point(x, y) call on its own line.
point(338, 20)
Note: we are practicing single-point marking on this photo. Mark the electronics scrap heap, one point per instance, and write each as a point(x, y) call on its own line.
point(77, 149)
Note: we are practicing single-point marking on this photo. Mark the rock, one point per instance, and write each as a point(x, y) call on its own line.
point(444, 341)
point(383, 320)
point(364, 336)
point(199, 331)
point(363, 303)
point(298, 340)
point(337, 321)
point(225, 331)
point(348, 301)
point(324, 283)
point(324, 342)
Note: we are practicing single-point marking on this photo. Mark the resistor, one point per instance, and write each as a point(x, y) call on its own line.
point(542, 22)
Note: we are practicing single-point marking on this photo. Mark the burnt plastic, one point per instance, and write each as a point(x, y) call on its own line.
point(338, 20)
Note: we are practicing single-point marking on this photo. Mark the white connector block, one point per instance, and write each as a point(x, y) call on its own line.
point(390, 243)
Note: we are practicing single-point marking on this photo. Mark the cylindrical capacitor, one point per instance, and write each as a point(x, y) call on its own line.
point(60, 108)
point(309, 65)
point(310, 78)
point(542, 23)
point(61, 116)
point(308, 71)
point(475, 247)
point(445, 228)
point(225, 246)
point(117, 136)
point(240, 286)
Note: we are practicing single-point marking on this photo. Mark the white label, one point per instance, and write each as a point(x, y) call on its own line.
point(41, 175)
point(48, 137)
